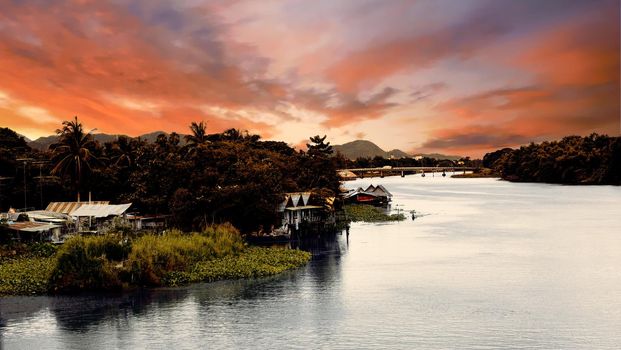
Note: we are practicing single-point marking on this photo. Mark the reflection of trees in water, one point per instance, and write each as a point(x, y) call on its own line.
point(80, 313)
point(251, 292)
point(327, 251)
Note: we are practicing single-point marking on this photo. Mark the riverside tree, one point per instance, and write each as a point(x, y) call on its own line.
point(201, 179)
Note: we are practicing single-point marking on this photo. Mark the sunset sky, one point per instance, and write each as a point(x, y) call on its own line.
point(456, 76)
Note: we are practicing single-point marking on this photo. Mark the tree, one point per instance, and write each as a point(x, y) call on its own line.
point(123, 151)
point(318, 147)
point(73, 153)
point(199, 134)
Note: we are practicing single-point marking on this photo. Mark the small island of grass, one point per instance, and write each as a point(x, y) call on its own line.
point(112, 262)
point(369, 213)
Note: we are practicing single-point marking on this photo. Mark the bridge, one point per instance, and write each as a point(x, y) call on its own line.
point(393, 171)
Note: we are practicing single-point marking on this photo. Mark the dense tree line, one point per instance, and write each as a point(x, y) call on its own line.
point(378, 162)
point(231, 176)
point(595, 159)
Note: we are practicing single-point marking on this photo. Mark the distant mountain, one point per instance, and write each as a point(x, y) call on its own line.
point(397, 153)
point(43, 143)
point(25, 138)
point(367, 149)
point(438, 156)
point(359, 148)
point(152, 136)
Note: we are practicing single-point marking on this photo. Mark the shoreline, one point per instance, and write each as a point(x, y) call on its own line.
point(99, 265)
point(215, 273)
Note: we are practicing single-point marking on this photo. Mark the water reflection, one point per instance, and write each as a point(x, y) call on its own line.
point(65, 318)
point(494, 265)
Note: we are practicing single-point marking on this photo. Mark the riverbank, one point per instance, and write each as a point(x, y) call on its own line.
point(482, 173)
point(113, 263)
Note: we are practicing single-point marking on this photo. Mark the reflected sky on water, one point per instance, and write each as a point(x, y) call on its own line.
point(491, 264)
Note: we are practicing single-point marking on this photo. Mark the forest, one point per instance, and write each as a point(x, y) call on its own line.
point(201, 179)
point(594, 159)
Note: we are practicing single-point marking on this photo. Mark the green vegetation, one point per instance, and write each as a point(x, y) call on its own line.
point(253, 262)
point(199, 178)
point(152, 257)
point(25, 275)
point(369, 213)
point(88, 263)
point(595, 159)
point(25, 268)
point(114, 263)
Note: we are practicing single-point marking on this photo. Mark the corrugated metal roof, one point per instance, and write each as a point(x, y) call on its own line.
point(29, 226)
point(69, 207)
point(101, 210)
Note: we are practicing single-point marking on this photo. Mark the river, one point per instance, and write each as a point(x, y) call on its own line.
point(491, 264)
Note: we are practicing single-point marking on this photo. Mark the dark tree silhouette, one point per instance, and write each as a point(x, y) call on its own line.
point(318, 147)
point(199, 134)
point(72, 154)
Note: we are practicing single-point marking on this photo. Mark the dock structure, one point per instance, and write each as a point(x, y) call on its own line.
point(402, 171)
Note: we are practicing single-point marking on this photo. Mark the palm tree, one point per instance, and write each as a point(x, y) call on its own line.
point(124, 151)
point(72, 153)
point(199, 134)
point(196, 139)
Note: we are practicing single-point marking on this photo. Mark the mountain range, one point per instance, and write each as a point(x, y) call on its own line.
point(352, 150)
point(367, 149)
point(43, 143)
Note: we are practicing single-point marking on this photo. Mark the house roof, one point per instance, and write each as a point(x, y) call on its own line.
point(302, 207)
point(355, 193)
point(376, 191)
point(69, 207)
point(294, 199)
point(47, 216)
point(29, 226)
point(381, 190)
point(101, 210)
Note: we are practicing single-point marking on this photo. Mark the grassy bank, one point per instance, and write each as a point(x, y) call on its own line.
point(111, 263)
point(368, 213)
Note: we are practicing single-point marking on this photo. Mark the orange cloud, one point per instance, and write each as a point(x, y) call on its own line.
point(105, 69)
point(149, 65)
point(576, 91)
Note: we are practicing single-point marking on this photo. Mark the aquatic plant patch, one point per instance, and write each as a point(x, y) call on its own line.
point(112, 263)
point(369, 213)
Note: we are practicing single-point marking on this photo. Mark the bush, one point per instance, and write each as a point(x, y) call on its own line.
point(152, 257)
point(84, 263)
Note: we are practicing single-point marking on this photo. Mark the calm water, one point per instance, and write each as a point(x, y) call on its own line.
point(493, 265)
